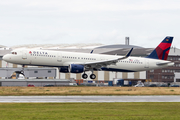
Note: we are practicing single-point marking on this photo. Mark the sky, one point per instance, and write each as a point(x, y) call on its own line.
point(146, 22)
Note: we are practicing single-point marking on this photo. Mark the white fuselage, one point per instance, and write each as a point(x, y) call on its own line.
point(60, 58)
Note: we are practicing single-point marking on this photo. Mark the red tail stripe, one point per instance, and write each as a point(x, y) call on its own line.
point(164, 46)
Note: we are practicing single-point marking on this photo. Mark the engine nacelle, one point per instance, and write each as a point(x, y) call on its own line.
point(64, 70)
point(74, 68)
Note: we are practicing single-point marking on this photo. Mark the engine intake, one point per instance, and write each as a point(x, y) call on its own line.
point(64, 70)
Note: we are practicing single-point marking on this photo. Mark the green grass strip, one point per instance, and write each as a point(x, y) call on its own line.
point(90, 111)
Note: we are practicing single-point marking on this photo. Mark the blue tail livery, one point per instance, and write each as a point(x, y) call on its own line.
point(162, 50)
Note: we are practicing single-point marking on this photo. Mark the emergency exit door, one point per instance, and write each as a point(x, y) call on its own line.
point(146, 63)
point(24, 54)
point(59, 57)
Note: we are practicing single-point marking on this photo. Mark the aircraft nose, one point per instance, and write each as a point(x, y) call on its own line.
point(5, 57)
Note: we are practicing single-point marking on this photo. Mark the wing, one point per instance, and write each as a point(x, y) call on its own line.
point(104, 63)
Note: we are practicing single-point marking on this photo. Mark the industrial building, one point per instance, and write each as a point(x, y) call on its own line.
point(30, 73)
point(170, 74)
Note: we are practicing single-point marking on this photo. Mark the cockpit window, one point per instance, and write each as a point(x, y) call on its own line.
point(15, 53)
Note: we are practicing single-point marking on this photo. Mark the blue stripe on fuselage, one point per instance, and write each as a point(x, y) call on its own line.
point(116, 70)
point(103, 68)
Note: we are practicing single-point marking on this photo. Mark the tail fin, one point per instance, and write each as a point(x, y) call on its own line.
point(162, 50)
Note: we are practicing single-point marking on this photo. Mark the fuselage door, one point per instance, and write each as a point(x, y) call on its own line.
point(59, 57)
point(146, 63)
point(24, 54)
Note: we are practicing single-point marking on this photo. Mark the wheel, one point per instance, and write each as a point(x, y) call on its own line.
point(22, 72)
point(92, 76)
point(84, 76)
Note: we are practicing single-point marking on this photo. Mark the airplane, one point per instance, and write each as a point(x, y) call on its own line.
point(74, 62)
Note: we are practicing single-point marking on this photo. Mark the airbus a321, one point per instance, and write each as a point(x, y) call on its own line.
point(74, 62)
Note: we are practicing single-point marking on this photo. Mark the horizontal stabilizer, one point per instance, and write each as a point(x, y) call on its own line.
point(165, 63)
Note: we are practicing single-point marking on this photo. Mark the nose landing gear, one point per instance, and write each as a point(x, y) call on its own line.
point(22, 71)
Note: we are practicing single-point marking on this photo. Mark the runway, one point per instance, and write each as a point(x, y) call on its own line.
point(93, 99)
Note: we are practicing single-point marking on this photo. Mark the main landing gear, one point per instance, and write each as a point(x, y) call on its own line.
point(22, 71)
point(85, 76)
point(92, 76)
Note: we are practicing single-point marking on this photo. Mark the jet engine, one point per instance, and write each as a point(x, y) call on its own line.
point(64, 70)
point(75, 68)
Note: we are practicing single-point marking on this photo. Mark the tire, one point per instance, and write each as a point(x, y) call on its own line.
point(93, 76)
point(84, 76)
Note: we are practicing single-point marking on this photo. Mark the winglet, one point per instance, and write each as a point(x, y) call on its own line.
point(91, 51)
point(127, 55)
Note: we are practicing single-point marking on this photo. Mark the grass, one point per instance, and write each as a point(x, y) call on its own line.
point(89, 91)
point(89, 111)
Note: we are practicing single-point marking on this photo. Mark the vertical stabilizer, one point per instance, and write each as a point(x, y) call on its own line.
point(162, 50)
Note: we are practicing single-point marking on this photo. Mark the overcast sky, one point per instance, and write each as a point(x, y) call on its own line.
point(146, 22)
